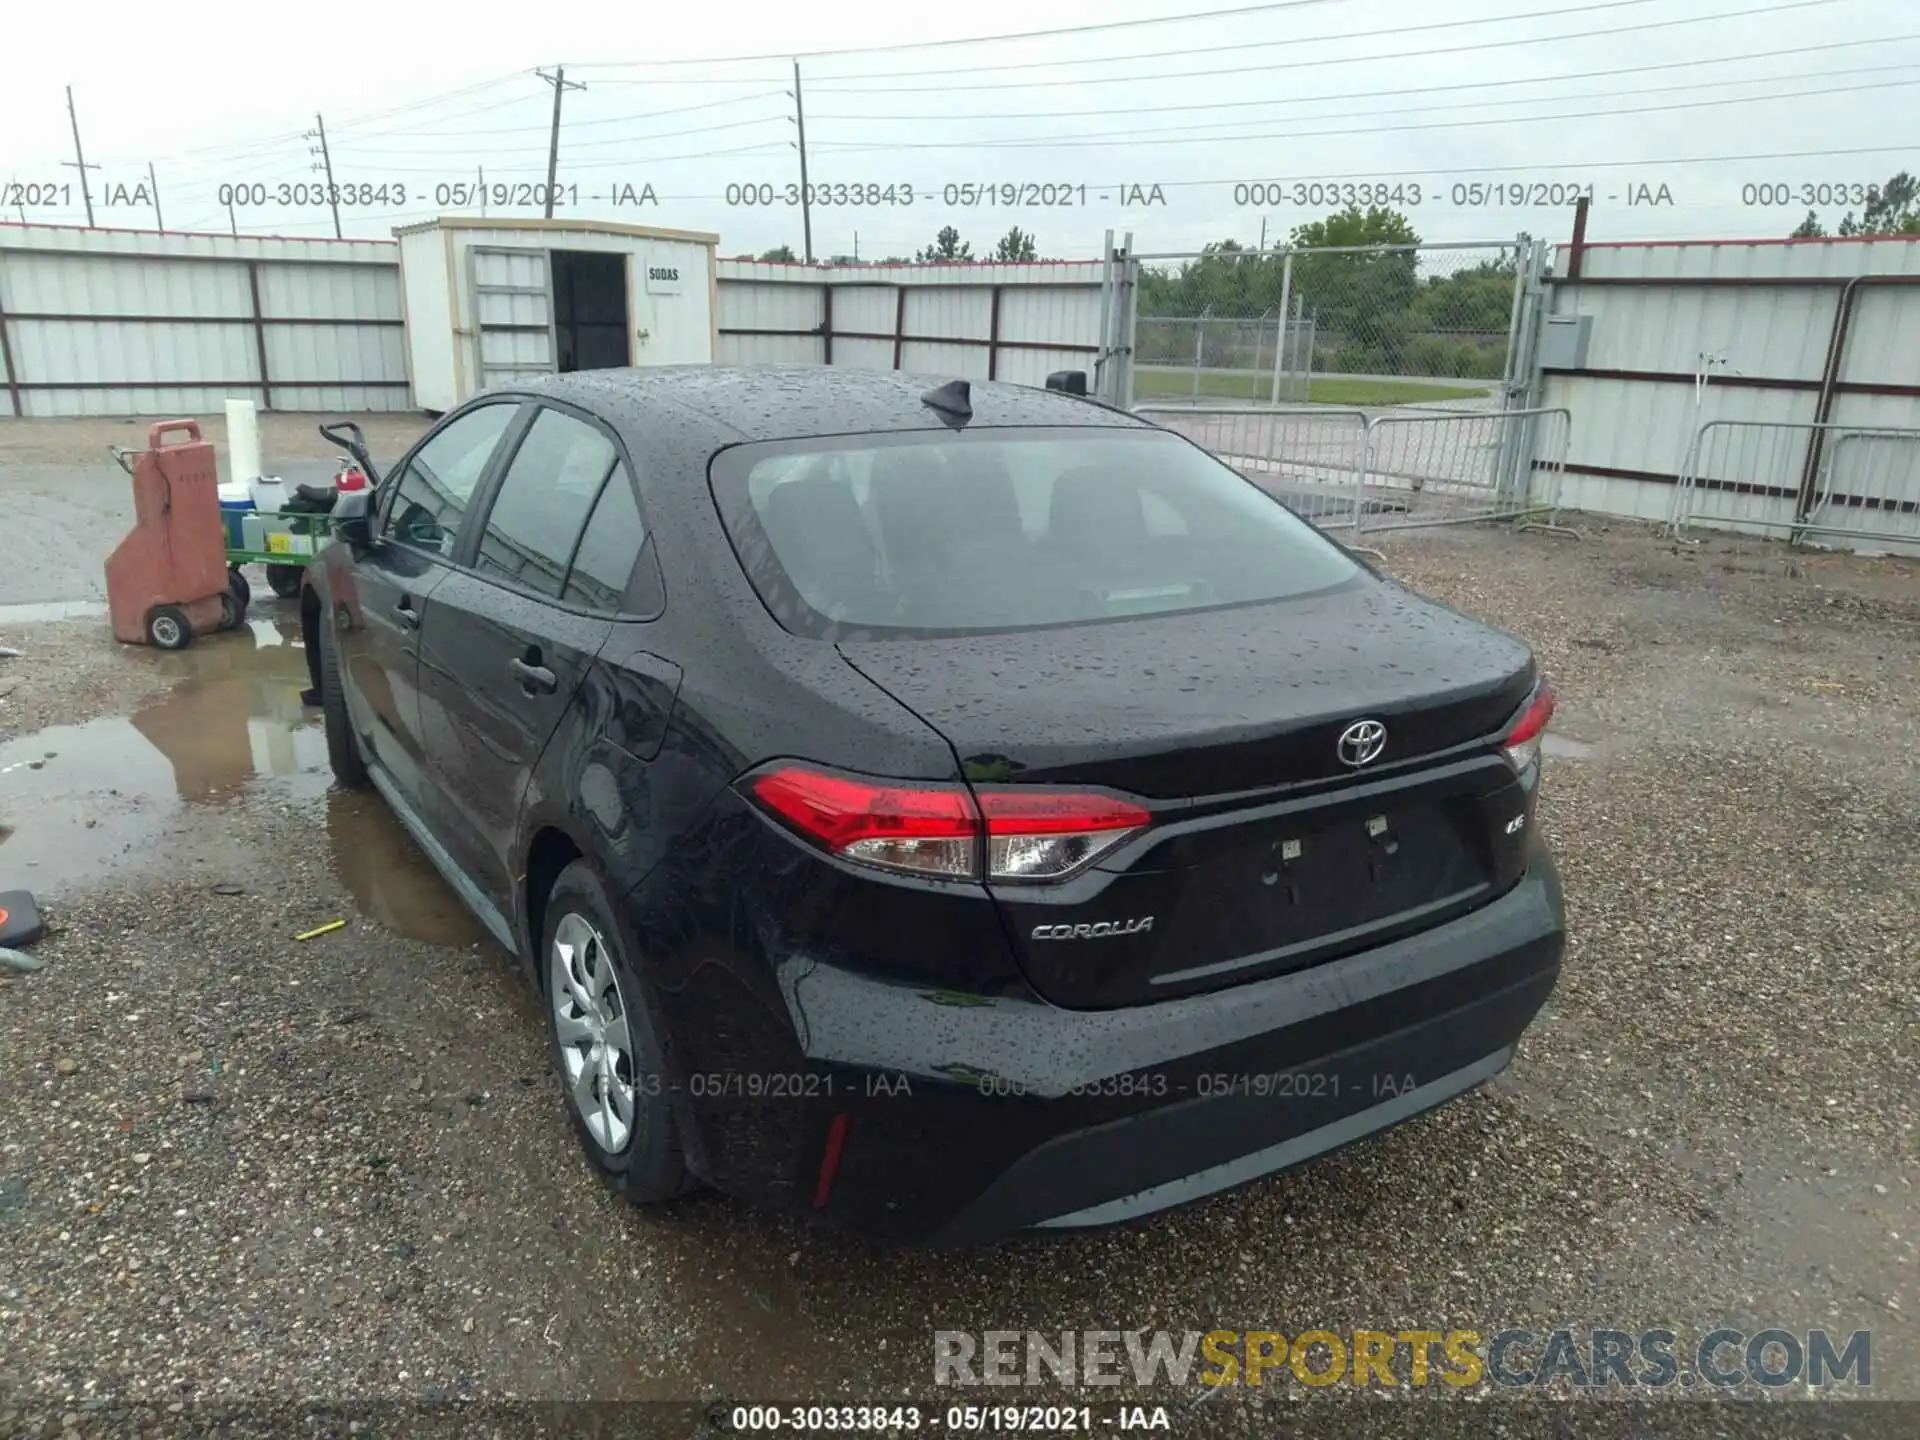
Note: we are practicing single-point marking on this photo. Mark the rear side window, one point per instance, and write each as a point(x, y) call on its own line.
point(431, 496)
point(936, 533)
point(608, 549)
point(550, 488)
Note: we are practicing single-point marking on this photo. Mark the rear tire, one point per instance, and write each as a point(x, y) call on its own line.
point(168, 628)
point(343, 748)
point(284, 580)
point(605, 1047)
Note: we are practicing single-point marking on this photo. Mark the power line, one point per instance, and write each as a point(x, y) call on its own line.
point(1291, 41)
point(607, 120)
point(1150, 139)
point(1215, 129)
point(573, 145)
point(240, 149)
point(975, 116)
point(1089, 29)
point(1423, 53)
point(454, 169)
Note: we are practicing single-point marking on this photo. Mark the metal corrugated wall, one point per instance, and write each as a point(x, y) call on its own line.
point(1760, 318)
point(115, 323)
point(123, 323)
point(1016, 322)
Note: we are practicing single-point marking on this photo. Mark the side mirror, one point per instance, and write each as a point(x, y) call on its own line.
point(1071, 382)
point(353, 518)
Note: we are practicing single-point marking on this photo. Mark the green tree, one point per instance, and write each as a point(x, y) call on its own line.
point(1362, 301)
point(1891, 209)
point(1353, 226)
point(947, 245)
point(779, 252)
point(1016, 244)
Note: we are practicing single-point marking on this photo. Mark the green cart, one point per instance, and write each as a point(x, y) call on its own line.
point(290, 542)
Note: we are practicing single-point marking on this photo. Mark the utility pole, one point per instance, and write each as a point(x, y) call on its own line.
point(560, 85)
point(232, 224)
point(319, 132)
point(153, 184)
point(1263, 235)
point(79, 161)
point(806, 209)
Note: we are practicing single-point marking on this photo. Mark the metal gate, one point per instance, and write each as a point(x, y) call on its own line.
point(513, 314)
point(1850, 482)
point(1404, 469)
point(1370, 326)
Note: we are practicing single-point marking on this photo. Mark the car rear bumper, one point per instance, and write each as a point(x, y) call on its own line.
point(964, 1118)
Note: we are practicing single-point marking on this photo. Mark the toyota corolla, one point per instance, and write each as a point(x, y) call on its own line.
point(937, 810)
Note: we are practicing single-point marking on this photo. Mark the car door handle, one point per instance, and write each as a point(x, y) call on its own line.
point(534, 679)
point(405, 615)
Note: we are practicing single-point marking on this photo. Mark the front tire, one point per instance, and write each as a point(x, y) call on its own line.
point(605, 1049)
point(284, 580)
point(343, 747)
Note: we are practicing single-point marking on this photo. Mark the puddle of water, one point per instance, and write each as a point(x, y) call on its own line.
point(83, 802)
point(388, 877)
point(1565, 747)
point(43, 610)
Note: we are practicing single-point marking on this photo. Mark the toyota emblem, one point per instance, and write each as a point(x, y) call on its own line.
point(1361, 743)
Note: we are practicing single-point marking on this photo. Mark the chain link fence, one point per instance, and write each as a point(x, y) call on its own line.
point(1370, 326)
point(1806, 480)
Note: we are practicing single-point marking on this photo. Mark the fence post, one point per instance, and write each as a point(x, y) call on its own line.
point(1102, 367)
point(1522, 256)
point(1286, 304)
point(1199, 340)
point(1126, 304)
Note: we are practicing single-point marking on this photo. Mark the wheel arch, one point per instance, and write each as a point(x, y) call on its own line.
point(551, 847)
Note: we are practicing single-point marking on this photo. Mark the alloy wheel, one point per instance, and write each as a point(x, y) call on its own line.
point(590, 1019)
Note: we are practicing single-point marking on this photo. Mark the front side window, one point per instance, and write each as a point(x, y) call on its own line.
point(433, 491)
point(550, 488)
point(936, 533)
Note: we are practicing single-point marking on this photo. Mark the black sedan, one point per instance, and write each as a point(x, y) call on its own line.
point(939, 810)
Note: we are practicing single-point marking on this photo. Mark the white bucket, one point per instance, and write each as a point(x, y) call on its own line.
point(243, 441)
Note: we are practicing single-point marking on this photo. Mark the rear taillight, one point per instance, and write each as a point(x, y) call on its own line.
point(1021, 834)
point(1050, 834)
point(1522, 742)
point(926, 830)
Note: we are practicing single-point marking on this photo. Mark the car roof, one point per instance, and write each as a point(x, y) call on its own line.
point(788, 402)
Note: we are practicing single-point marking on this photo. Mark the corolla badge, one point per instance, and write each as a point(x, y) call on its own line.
point(1361, 743)
point(1099, 930)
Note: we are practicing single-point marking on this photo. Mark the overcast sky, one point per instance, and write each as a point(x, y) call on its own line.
point(1434, 97)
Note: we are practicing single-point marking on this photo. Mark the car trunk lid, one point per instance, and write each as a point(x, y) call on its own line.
point(1268, 850)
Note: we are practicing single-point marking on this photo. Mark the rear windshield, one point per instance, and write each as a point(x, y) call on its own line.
point(934, 532)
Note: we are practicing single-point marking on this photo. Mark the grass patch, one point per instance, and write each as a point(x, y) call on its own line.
point(1152, 382)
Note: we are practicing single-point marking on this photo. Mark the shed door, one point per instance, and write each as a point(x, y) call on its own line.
point(513, 313)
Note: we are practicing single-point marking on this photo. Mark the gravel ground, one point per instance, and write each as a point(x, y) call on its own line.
point(237, 1166)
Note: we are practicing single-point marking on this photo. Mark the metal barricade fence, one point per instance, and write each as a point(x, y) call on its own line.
point(1310, 459)
point(1803, 479)
point(1453, 467)
point(1398, 470)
